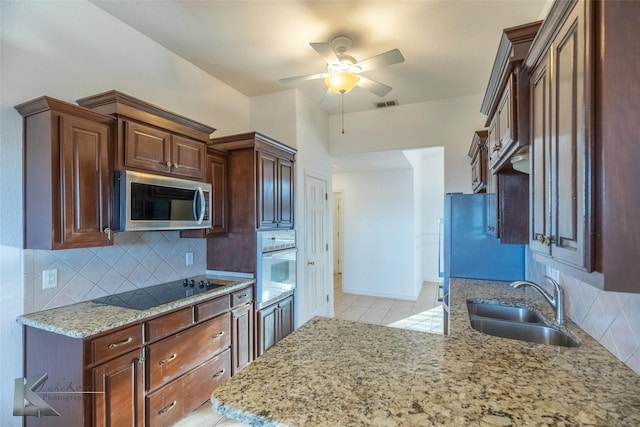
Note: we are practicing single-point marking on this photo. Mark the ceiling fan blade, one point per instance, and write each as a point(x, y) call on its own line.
point(373, 86)
point(387, 58)
point(326, 51)
point(303, 78)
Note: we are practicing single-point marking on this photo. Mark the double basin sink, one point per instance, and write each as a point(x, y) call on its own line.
point(519, 323)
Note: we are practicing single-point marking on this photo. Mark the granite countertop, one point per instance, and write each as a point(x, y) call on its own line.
point(88, 318)
point(340, 373)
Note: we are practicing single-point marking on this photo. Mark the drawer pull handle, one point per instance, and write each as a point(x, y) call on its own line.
point(118, 344)
point(218, 335)
point(168, 359)
point(219, 373)
point(243, 296)
point(168, 408)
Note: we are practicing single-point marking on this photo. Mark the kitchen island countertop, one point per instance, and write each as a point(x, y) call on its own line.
point(87, 318)
point(340, 373)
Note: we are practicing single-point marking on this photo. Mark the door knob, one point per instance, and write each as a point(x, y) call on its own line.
point(311, 263)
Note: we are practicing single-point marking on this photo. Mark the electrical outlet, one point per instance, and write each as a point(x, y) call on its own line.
point(189, 258)
point(50, 278)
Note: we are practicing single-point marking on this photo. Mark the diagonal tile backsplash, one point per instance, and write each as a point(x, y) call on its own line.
point(612, 318)
point(136, 260)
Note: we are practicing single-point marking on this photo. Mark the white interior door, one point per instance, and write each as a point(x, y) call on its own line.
point(316, 247)
point(337, 232)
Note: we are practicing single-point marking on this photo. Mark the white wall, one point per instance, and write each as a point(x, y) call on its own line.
point(449, 123)
point(378, 235)
point(432, 209)
point(70, 50)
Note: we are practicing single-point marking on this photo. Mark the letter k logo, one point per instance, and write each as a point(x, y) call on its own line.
point(25, 393)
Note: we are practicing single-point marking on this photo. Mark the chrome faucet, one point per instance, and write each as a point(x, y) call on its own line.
point(556, 301)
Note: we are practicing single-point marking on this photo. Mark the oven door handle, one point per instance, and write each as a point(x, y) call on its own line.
point(203, 206)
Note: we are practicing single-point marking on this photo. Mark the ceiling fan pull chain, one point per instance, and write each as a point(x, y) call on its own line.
point(342, 96)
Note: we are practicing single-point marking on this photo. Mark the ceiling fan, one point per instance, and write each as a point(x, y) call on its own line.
point(343, 71)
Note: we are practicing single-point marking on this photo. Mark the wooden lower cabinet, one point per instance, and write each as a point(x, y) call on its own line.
point(242, 330)
point(274, 323)
point(174, 401)
point(118, 388)
point(149, 373)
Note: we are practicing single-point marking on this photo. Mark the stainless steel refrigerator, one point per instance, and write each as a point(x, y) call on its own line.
point(467, 251)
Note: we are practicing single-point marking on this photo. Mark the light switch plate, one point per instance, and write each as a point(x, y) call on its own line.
point(189, 258)
point(50, 278)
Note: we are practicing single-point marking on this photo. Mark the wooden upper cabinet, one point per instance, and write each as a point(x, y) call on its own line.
point(584, 132)
point(478, 155)
point(262, 172)
point(67, 175)
point(560, 227)
point(152, 139)
point(146, 148)
point(506, 99)
point(188, 157)
point(506, 107)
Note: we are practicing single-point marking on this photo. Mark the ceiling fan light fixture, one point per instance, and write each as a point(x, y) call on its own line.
point(341, 82)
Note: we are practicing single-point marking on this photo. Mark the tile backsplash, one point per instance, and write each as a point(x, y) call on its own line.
point(612, 318)
point(136, 260)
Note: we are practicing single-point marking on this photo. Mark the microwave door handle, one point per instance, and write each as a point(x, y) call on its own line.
point(203, 206)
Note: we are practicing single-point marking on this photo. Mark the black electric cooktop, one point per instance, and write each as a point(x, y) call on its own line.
point(152, 296)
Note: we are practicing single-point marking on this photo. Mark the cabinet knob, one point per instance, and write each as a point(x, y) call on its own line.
point(107, 231)
point(169, 164)
point(175, 166)
point(496, 147)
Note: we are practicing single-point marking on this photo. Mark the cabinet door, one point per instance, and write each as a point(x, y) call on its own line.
point(284, 319)
point(85, 184)
point(540, 159)
point(493, 142)
point(242, 328)
point(285, 194)
point(120, 384)
point(188, 157)
point(505, 114)
point(267, 211)
point(267, 328)
point(146, 148)
point(217, 173)
point(569, 171)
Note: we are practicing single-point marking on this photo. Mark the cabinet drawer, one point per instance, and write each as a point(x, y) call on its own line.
point(166, 406)
point(173, 356)
point(166, 325)
point(116, 343)
point(242, 296)
point(200, 382)
point(212, 308)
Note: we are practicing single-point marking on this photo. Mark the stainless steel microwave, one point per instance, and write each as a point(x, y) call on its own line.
point(155, 202)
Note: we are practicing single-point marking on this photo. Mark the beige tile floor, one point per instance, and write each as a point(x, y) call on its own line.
point(424, 314)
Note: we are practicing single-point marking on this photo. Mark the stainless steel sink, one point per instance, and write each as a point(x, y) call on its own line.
point(516, 323)
point(532, 332)
point(505, 312)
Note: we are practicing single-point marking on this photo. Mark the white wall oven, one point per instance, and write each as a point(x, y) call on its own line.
point(276, 269)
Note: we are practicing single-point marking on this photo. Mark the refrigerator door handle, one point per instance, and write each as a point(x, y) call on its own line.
point(440, 248)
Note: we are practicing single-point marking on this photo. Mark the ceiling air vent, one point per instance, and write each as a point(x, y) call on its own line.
point(385, 104)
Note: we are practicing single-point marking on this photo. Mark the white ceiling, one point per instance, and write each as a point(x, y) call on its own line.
point(449, 45)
